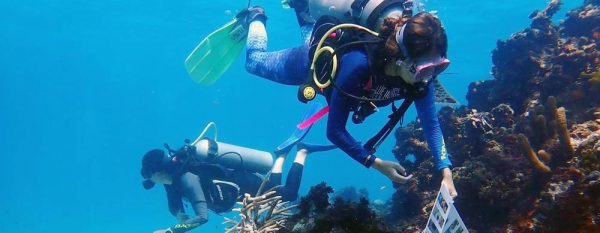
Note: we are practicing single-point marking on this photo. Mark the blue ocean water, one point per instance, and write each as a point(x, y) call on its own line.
point(87, 87)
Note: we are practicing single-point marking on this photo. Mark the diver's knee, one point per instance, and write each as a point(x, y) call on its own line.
point(331, 135)
point(249, 66)
point(290, 196)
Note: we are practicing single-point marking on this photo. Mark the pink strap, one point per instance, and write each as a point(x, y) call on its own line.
point(314, 118)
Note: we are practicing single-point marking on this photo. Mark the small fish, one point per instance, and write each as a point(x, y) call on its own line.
point(382, 187)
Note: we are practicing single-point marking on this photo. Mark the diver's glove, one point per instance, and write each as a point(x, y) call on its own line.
point(246, 16)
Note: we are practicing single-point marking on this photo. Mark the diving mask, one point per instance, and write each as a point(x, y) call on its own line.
point(423, 70)
point(419, 70)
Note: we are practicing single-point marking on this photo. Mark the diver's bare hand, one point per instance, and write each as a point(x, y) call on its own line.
point(392, 170)
point(447, 181)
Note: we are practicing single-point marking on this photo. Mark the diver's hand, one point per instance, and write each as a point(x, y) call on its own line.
point(447, 181)
point(392, 170)
point(182, 217)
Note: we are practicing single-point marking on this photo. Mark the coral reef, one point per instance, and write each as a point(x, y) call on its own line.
point(527, 145)
point(525, 149)
point(262, 213)
point(544, 60)
point(317, 214)
point(349, 193)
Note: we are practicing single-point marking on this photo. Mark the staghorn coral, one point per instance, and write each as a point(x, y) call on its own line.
point(262, 213)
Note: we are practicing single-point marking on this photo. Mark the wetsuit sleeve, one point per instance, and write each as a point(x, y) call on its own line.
point(174, 201)
point(351, 73)
point(192, 190)
point(433, 132)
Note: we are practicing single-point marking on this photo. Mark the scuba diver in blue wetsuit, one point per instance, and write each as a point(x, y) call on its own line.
point(394, 55)
point(220, 183)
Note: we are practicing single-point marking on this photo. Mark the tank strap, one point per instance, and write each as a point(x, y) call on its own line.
point(356, 9)
point(376, 13)
point(213, 148)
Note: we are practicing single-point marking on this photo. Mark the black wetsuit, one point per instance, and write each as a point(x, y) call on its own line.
point(190, 186)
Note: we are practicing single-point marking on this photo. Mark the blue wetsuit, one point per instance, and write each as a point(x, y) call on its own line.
point(291, 66)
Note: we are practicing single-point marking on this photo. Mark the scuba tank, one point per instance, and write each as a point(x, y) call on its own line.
point(232, 156)
point(366, 13)
point(206, 150)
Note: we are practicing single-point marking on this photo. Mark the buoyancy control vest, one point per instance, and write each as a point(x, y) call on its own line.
point(330, 39)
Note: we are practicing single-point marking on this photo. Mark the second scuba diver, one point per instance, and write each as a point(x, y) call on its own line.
point(213, 186)
point(409, 52)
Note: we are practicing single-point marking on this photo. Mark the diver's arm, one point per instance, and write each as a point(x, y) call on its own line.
point(174, 201)
point(354, 67)
point(431, 126)
point(433, 134)
point(192, 190)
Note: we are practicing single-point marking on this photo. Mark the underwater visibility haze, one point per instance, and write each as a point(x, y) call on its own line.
point(88, 87)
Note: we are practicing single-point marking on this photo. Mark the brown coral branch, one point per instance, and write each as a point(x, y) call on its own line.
point(527, 150)
point(544, 155)
point(563, 132)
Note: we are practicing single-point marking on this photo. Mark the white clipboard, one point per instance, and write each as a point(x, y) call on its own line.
point(444, 218)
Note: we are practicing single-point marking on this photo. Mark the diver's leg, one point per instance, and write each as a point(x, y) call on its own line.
point(311, 148)
point(275, 176)
point(278, 165)
point(294, 178)
point(306, 32)
point(289, 66)
point(305, 20)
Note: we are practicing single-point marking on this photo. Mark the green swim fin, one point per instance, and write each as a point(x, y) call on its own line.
point(213, 56)
point(285, 4)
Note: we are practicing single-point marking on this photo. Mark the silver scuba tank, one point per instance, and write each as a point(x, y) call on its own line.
point(367, 13)
point(232, 156)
